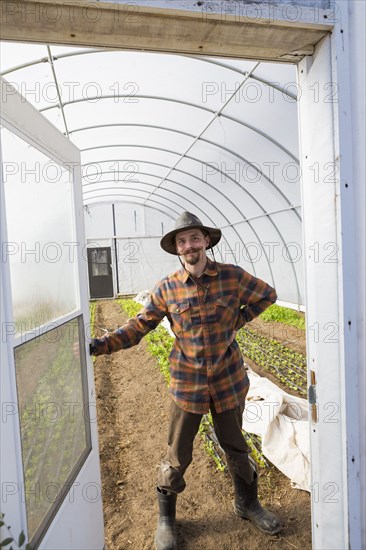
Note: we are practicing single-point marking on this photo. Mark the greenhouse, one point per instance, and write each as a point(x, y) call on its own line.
point(118, 119)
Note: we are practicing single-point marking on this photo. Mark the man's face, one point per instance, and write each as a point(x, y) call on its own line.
point(191, 245)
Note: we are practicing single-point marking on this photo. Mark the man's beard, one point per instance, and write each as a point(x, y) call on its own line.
point(193, 260)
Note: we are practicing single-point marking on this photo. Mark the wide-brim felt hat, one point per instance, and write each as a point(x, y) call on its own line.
point(188, 221)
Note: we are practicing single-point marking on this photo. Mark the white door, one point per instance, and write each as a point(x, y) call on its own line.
point(50, 475)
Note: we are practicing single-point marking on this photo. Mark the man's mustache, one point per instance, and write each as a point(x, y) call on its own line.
point(190, 251)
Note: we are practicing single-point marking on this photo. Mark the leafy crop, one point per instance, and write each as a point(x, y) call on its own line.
point(131, 307)
point(284, 315)
point(160, 344)
point(286, 364)
point(92, 309)
point(255, 443)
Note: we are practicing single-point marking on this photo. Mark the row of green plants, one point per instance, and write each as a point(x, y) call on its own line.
point(288, 365)
point(284, 315)
point(160, 344)
point(92, 311)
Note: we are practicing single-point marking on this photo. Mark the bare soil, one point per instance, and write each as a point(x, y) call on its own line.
point(287, 335)
point(133, 405)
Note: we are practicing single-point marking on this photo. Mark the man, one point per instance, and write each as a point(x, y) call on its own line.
point(206, 303)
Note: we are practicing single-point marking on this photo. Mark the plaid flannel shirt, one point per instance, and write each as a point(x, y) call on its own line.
point(205, 361)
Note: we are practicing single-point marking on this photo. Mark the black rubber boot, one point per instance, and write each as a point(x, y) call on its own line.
point(247, 505)
point(166, 533)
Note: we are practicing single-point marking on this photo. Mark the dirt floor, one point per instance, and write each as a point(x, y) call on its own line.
point(133, 404)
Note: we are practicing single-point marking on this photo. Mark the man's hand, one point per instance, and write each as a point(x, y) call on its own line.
point(92, 347)
point(76, 349)
point(98, 346)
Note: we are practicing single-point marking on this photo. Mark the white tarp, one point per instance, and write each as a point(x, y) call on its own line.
point(281, 420)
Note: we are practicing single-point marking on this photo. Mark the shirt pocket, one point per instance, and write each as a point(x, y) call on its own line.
point(226, 311)
point(180, 317)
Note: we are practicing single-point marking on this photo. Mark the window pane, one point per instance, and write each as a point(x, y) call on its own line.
point(99, 270)
point(101, 256)
point(52, 416)
point(41, 234)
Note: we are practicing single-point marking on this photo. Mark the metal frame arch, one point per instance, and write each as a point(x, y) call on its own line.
point(182, 185)
point(112, 145)
point(233, 119)
point(150, 147)
point(214, 206)
point(230, 225)
point(173, 202)
point(143, 161)
point(262, 216)
point(187, 200)
point(156, 127)
point(99, 50)
point(236, 70)
point(54, 57)
point(250, 225)
point(272, 222)
point(250, 164)
point(169, 200)
point(216, 190)
point(124, 201)
point(213, 143)
point(151, 200)
point(180, 102)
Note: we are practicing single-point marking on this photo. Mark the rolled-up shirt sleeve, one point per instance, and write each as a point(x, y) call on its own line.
point(134, 329)
point(255, 296)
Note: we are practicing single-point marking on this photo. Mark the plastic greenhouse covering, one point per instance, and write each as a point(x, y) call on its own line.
point(162, 133)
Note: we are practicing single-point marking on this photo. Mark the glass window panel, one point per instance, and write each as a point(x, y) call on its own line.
point(41, 247)
point(52, 417)
point(99, 270)
point(101, 256)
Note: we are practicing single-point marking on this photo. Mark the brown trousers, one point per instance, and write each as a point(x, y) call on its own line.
point(183, 428)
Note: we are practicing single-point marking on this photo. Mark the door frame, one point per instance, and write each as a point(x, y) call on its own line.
point(338, 523)
point(86, 526)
